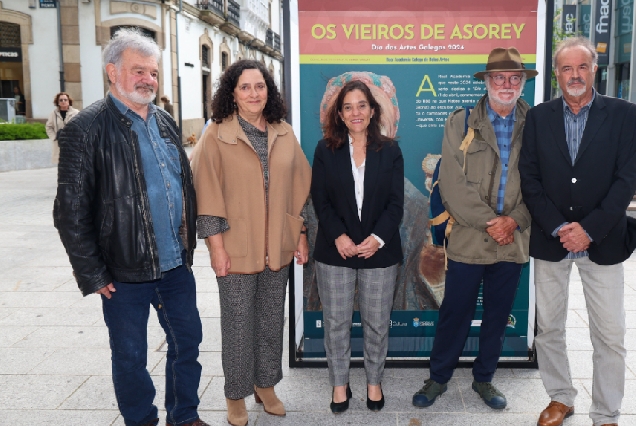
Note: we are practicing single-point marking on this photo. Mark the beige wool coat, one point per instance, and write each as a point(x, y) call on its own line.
point(54, 124)
point(470, 195)
point(229, 183)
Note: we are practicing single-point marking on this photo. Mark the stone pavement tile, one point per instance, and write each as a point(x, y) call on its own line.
point(213, 397)
point(630, 318)
point(83, 361)
point(214, 418)
point(38, 299)
point(576, 301)
point(35, 279)
point(6, 312)
point(45, 316)
point(209, 305)
point(630, 360)
point(629, 402)
point(66, 337)
point(36, 391)
point(327, 418)
point(12, 334)
point(576, 320)
point(90, 301)
point(630, 340)
point(57, 417)
point(502, 418)
point(96, 393)
point(211, 363)
point(578, 339)
point(211, 334)
point(22, 360)
point(525, 373)
point(523, 395)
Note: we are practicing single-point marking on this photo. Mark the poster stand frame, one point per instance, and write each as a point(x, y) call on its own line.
point(296, 357)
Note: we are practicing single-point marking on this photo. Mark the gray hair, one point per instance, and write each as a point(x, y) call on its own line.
point(127, 38)
point(575, 42)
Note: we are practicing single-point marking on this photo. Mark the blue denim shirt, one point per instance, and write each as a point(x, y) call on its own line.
point(162, 172)
point(503, 131)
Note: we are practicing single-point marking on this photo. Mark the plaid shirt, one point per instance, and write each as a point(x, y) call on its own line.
point(503, 131)
point(574, 128)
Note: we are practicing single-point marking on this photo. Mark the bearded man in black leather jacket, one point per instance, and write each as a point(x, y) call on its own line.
point(125, 211)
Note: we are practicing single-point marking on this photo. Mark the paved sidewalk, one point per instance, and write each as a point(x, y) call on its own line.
point(55, 359)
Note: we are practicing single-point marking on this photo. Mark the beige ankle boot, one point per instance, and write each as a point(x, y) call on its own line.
point(236, 412)
point(270, 401)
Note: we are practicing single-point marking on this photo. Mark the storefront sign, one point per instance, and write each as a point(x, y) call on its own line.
point(48, 4)
point(419, 59)
point(602, 36)
point(10, 54)
point(584, 22)
point(568, 19)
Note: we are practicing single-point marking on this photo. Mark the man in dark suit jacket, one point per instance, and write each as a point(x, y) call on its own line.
point(578, 175)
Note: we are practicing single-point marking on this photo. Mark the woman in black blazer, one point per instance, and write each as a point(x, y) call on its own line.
point(358, 192)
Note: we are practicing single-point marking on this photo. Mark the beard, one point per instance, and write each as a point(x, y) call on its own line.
point(137, 97)
point(576, 92)
point(493, 94)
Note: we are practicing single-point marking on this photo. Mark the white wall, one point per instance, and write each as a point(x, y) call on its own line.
point(43, 56)
point(91, 56)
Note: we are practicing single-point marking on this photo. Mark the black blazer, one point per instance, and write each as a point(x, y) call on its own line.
point(594, 192)
point(332, 193)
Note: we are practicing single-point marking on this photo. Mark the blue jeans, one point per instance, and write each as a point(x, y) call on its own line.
point(458, 310)
point(126, 315)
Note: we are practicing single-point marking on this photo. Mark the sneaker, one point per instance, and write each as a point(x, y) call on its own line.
point(426, 395)
point(491, 396)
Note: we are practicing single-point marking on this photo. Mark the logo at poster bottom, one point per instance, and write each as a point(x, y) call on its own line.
point(417, 322)
point(512, 321)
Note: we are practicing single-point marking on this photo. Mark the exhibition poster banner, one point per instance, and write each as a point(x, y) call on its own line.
point(419, 59)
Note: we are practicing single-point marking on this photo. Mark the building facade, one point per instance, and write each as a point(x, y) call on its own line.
point(609, 25)
point(41, 50)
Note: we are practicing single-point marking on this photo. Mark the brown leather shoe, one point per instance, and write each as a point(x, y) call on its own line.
point(554, 414)
point(197, 422)
point(613, 424)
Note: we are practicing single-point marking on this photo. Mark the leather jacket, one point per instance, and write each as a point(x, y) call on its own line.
point(102, 210)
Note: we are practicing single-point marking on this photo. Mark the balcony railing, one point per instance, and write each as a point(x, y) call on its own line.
point(211, 5)
point(276, 42)
point(272, 39)
point(233, 12)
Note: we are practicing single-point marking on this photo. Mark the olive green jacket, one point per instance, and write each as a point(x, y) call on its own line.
point(470, 194)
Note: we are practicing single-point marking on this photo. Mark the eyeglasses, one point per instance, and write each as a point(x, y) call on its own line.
point(500, 80)
point(62, 100)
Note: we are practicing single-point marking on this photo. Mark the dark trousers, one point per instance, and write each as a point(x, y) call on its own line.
point(458, 310)
point(126, 315)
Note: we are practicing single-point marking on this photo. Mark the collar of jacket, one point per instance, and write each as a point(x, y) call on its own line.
point(125, 121)
point(479, 120)
point(230, 131)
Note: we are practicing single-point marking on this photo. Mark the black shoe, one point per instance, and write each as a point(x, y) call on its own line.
point(375, 405)
point(339, 408)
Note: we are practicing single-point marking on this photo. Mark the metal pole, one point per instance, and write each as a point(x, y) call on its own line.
point(58, 6)
point(179, 75)
point(549, 34)
point(287, 70)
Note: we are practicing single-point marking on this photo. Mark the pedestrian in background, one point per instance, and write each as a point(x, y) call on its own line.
point(358, 193)
point(126, 213)
point(60, 116)
point(578, 175)
point(167, 105)
point(252, 181)
point(480, 189)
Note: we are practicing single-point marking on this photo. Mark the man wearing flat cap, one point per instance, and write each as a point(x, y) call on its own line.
point(578, 175)
point(480, 188)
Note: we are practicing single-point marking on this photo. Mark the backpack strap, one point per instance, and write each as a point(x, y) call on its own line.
point(468, 132)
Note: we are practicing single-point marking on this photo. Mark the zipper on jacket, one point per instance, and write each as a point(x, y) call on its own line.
point(145, 202)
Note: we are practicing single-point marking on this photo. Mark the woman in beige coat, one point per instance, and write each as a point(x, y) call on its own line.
point(252, 180)
point(60, 116)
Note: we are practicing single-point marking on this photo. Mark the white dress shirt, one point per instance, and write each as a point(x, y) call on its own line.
point(358, 181)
